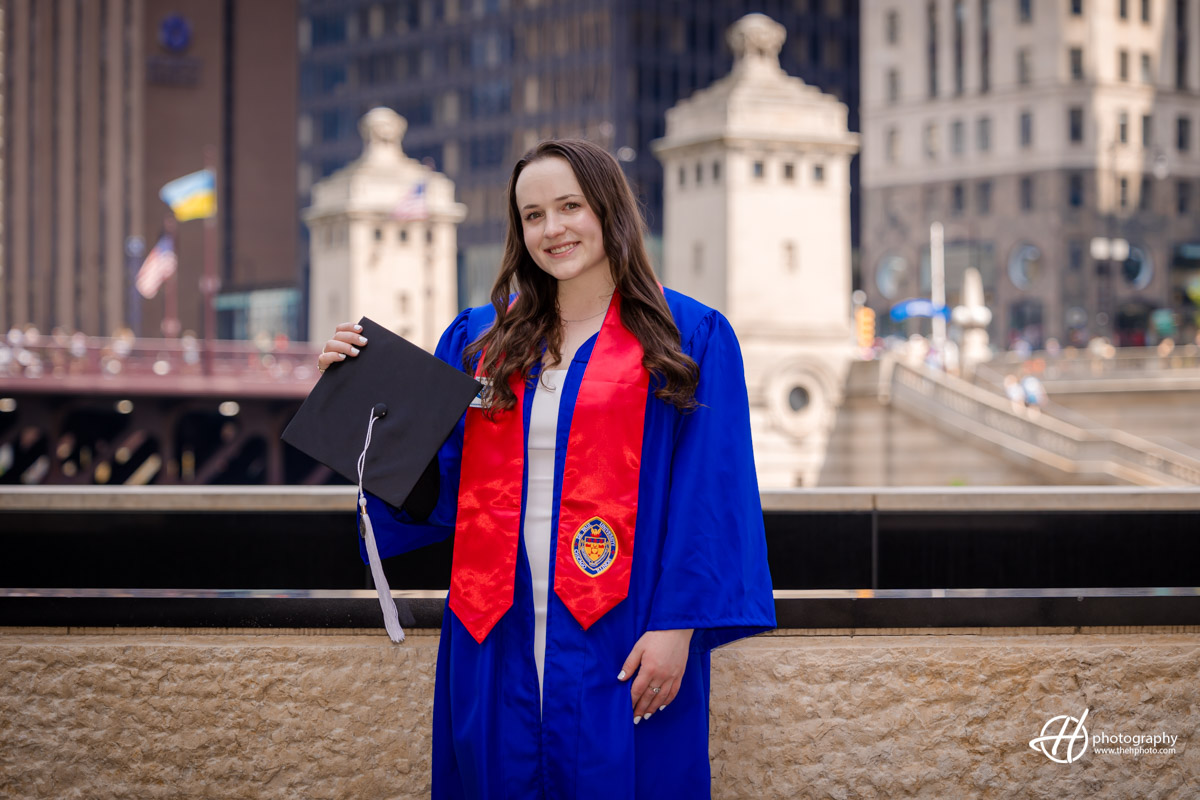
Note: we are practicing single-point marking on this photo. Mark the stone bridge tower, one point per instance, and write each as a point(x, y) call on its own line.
point(383, 240)
point(757, 224)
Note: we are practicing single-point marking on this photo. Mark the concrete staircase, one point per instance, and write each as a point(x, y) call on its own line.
point(906, 425)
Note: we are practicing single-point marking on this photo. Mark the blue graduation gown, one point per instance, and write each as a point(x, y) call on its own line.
point(699, 562)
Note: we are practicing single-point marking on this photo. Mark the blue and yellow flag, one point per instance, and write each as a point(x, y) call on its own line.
point(192, 196)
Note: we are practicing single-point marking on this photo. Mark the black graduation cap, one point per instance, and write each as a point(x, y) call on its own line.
point(415, 397)
point(379, 420)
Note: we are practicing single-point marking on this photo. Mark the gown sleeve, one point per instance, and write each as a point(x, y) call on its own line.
point(714, 575)
point(396, 530)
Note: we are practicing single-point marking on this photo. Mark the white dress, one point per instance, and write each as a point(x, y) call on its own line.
point(539, 508)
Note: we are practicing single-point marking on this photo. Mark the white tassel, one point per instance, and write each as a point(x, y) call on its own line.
point(391, 617)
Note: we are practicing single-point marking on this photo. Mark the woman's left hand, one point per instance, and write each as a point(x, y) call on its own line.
point(659, 658)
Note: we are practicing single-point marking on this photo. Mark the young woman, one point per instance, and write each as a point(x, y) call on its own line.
point(604, 506)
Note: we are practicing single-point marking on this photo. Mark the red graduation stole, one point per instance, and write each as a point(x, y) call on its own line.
point(598, 506)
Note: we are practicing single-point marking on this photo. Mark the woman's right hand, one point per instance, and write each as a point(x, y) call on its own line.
point(347, 338)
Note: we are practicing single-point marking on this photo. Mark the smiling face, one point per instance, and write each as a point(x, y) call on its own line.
point(561, 231)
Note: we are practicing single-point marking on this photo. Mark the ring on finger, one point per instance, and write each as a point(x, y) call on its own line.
point(656, 689)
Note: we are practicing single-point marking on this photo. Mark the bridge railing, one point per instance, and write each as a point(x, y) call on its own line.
point(1111, 362)
point(957, 405)
point(40, 357)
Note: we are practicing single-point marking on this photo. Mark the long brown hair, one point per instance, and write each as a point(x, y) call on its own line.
point(514, 343)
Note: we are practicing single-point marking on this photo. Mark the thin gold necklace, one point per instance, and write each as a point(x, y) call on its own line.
point(593, 316)
point(583, 319)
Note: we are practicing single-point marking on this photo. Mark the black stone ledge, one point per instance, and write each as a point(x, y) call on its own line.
point(815, 609)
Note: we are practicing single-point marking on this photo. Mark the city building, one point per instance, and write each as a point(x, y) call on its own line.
point(1057, 142)
point(104, 103)
point(757, 225)
point(481, 81)
point(383, 234)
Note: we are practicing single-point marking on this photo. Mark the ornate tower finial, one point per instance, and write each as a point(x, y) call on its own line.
point(382, 129)
point(756, 39)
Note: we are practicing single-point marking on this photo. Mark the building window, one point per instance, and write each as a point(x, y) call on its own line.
point(682, 176)
point(1075, 190)
point(716, 171)
point(892, 144)
point(1123, 65)
point(1025, 10)
point(1183, 134)
point(957, 145)
point(932, 47)
point(1024, 67)
point(1147, 69)
point(789, 171)
point(699, 174)
point(1075, 124)
point(983, 193)
point(1147, 130)
point(832, 54)
point(758, 170)
point(1146, 194)
point(983, 134)
point(931, 201)
point(960, 19)
point(1183, 198)
point(893, 85)
point(1025, 133)
point(1122, 9)
point(1145, 10)
point(1181, 44)
point(1123, 127)
point(789, 256)
point(958, 199)
point(818, 173)
point(931, 140)
point(893, 27)
point(985, 45)
point(1025, 193)
point(1075, 256)
point(1077, 8)
point(1123, 192)
point(1075, 56)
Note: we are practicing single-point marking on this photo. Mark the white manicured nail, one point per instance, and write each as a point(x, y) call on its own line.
point(353, 351)
point(362, 340)
point(358, 327)
point(636, 720)
point(341, 356)
point(621, 677)
point(660, 708)
point(647, 715)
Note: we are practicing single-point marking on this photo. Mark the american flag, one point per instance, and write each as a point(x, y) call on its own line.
point(412, 205)
point(159, 265)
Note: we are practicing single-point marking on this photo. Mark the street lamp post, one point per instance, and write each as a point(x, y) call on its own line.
point(937, 287)
point(1107, 252)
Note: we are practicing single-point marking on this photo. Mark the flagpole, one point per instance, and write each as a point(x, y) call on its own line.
point(210, 282)
point(170, 324)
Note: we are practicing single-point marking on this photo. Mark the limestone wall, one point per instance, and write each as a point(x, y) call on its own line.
point(324, 714)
